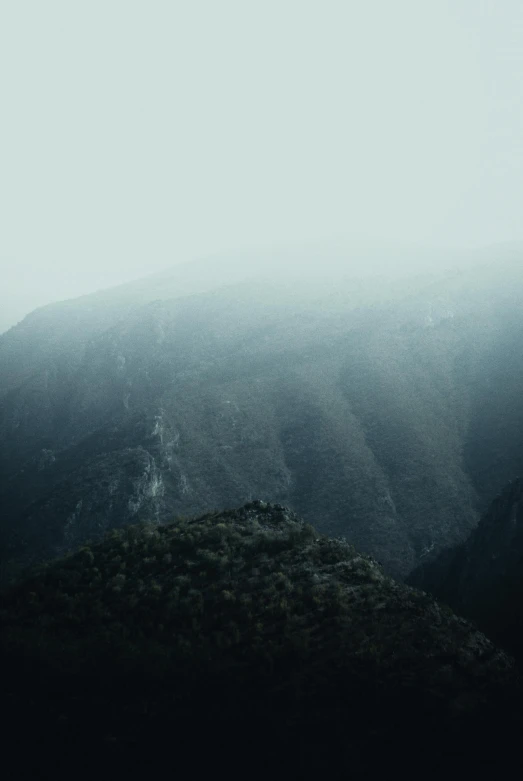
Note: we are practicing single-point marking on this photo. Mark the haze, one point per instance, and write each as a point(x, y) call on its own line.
point(138, 135)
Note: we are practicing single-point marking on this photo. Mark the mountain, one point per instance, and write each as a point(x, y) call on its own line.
point(245, 640)
point(376, 394)
point(482, 578)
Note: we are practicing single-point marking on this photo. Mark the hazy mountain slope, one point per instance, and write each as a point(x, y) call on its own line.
point(358, 403)
point(494, 451)
point(43, 335)
point(482, 578)
point(245, 638)
point(231, 395)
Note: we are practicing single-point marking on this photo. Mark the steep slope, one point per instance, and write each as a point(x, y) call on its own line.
point(367, 405)
point(244, 638)
point(483, 577)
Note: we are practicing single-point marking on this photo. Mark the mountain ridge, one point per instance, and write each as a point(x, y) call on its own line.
point(481, 578)
point(360, 405)
point(241, 631)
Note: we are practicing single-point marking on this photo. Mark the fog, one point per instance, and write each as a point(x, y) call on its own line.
point(139, 135)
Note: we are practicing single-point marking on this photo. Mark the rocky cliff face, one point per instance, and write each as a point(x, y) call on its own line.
point(483, 577)
point(248, 638)
point(334, 396)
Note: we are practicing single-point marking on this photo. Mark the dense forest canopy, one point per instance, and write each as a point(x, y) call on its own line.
point(243, 632)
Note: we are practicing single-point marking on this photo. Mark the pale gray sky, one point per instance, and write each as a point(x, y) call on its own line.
point(135, 134)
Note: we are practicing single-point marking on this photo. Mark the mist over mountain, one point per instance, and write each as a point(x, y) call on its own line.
point(380, 406)
point(261, 504)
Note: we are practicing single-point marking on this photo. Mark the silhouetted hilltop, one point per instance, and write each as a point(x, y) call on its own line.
point(483, 577)
point(245, 642)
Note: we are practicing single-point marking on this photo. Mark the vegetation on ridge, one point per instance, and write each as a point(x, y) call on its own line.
point(482, 578)
point(237, 625)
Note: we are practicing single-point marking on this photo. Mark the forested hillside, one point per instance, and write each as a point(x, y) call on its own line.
point(385, 408)
point(247, 641)
point(482, 578)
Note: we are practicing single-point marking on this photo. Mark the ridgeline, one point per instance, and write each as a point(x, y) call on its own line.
point(245, 644)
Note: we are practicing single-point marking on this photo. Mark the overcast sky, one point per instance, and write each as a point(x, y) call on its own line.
point(136, 134)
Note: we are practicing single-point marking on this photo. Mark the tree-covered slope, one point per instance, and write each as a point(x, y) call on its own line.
point(482, 578)
point(245, 639)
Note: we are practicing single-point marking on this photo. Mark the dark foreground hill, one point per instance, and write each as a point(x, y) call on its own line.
point(482, 578)
point(242, 644)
